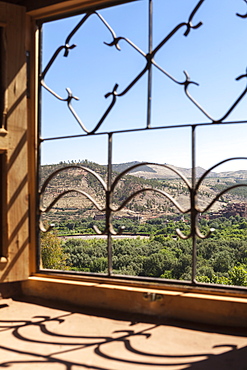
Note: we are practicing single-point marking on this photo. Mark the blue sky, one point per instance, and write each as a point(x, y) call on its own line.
point(213, 55)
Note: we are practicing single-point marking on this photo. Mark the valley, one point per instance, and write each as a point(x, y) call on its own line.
point(149, 245)
point(144, 206)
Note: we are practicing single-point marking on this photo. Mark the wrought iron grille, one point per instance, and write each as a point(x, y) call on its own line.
point(193, 182)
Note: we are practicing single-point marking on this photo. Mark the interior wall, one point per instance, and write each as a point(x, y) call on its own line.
point(14, 264)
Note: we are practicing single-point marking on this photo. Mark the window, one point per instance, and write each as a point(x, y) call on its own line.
point(126, 157)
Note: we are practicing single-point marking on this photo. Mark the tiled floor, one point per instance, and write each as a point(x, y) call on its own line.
point(39, 335)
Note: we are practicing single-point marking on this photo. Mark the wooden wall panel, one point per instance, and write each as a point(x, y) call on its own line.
point(16, 146)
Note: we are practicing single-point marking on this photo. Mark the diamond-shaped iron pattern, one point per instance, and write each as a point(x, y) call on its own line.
point(109, 186)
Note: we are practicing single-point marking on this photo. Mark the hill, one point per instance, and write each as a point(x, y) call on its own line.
point(145, 205)
point(158, 172)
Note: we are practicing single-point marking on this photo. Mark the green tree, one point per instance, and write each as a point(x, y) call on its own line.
point(154, 265)
point(222, 261)
point(238, 276)
point(52, 254)
point(99, 265)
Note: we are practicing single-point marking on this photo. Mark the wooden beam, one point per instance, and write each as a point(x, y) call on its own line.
point(45, 9)
point(13, 144)
point(176, 304)
point(32, 46)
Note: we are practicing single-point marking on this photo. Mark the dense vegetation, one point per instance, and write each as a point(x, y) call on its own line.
point(222, 258)
point(156, 251)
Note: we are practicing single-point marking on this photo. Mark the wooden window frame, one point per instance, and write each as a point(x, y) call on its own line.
point(208, 305)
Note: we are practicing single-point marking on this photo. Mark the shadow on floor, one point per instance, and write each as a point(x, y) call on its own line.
point(40, 333)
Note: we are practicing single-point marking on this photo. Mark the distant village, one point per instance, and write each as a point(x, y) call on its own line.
point(232, 209)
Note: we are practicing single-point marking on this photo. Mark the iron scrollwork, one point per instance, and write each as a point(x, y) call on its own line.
point(149, 63)
point(109, 186)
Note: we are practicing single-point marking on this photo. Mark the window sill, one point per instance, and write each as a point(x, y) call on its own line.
point(176, 303)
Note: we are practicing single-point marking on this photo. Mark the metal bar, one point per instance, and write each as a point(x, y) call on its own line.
point(108, 204)
point(150, 49)
point(186, 125)
point(38, 199)
point(193, 201)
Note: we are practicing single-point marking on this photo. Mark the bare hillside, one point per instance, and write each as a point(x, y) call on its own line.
point(146, 204)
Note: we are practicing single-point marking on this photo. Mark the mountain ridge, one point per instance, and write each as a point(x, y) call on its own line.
point(144, 204)
point(159, 172)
